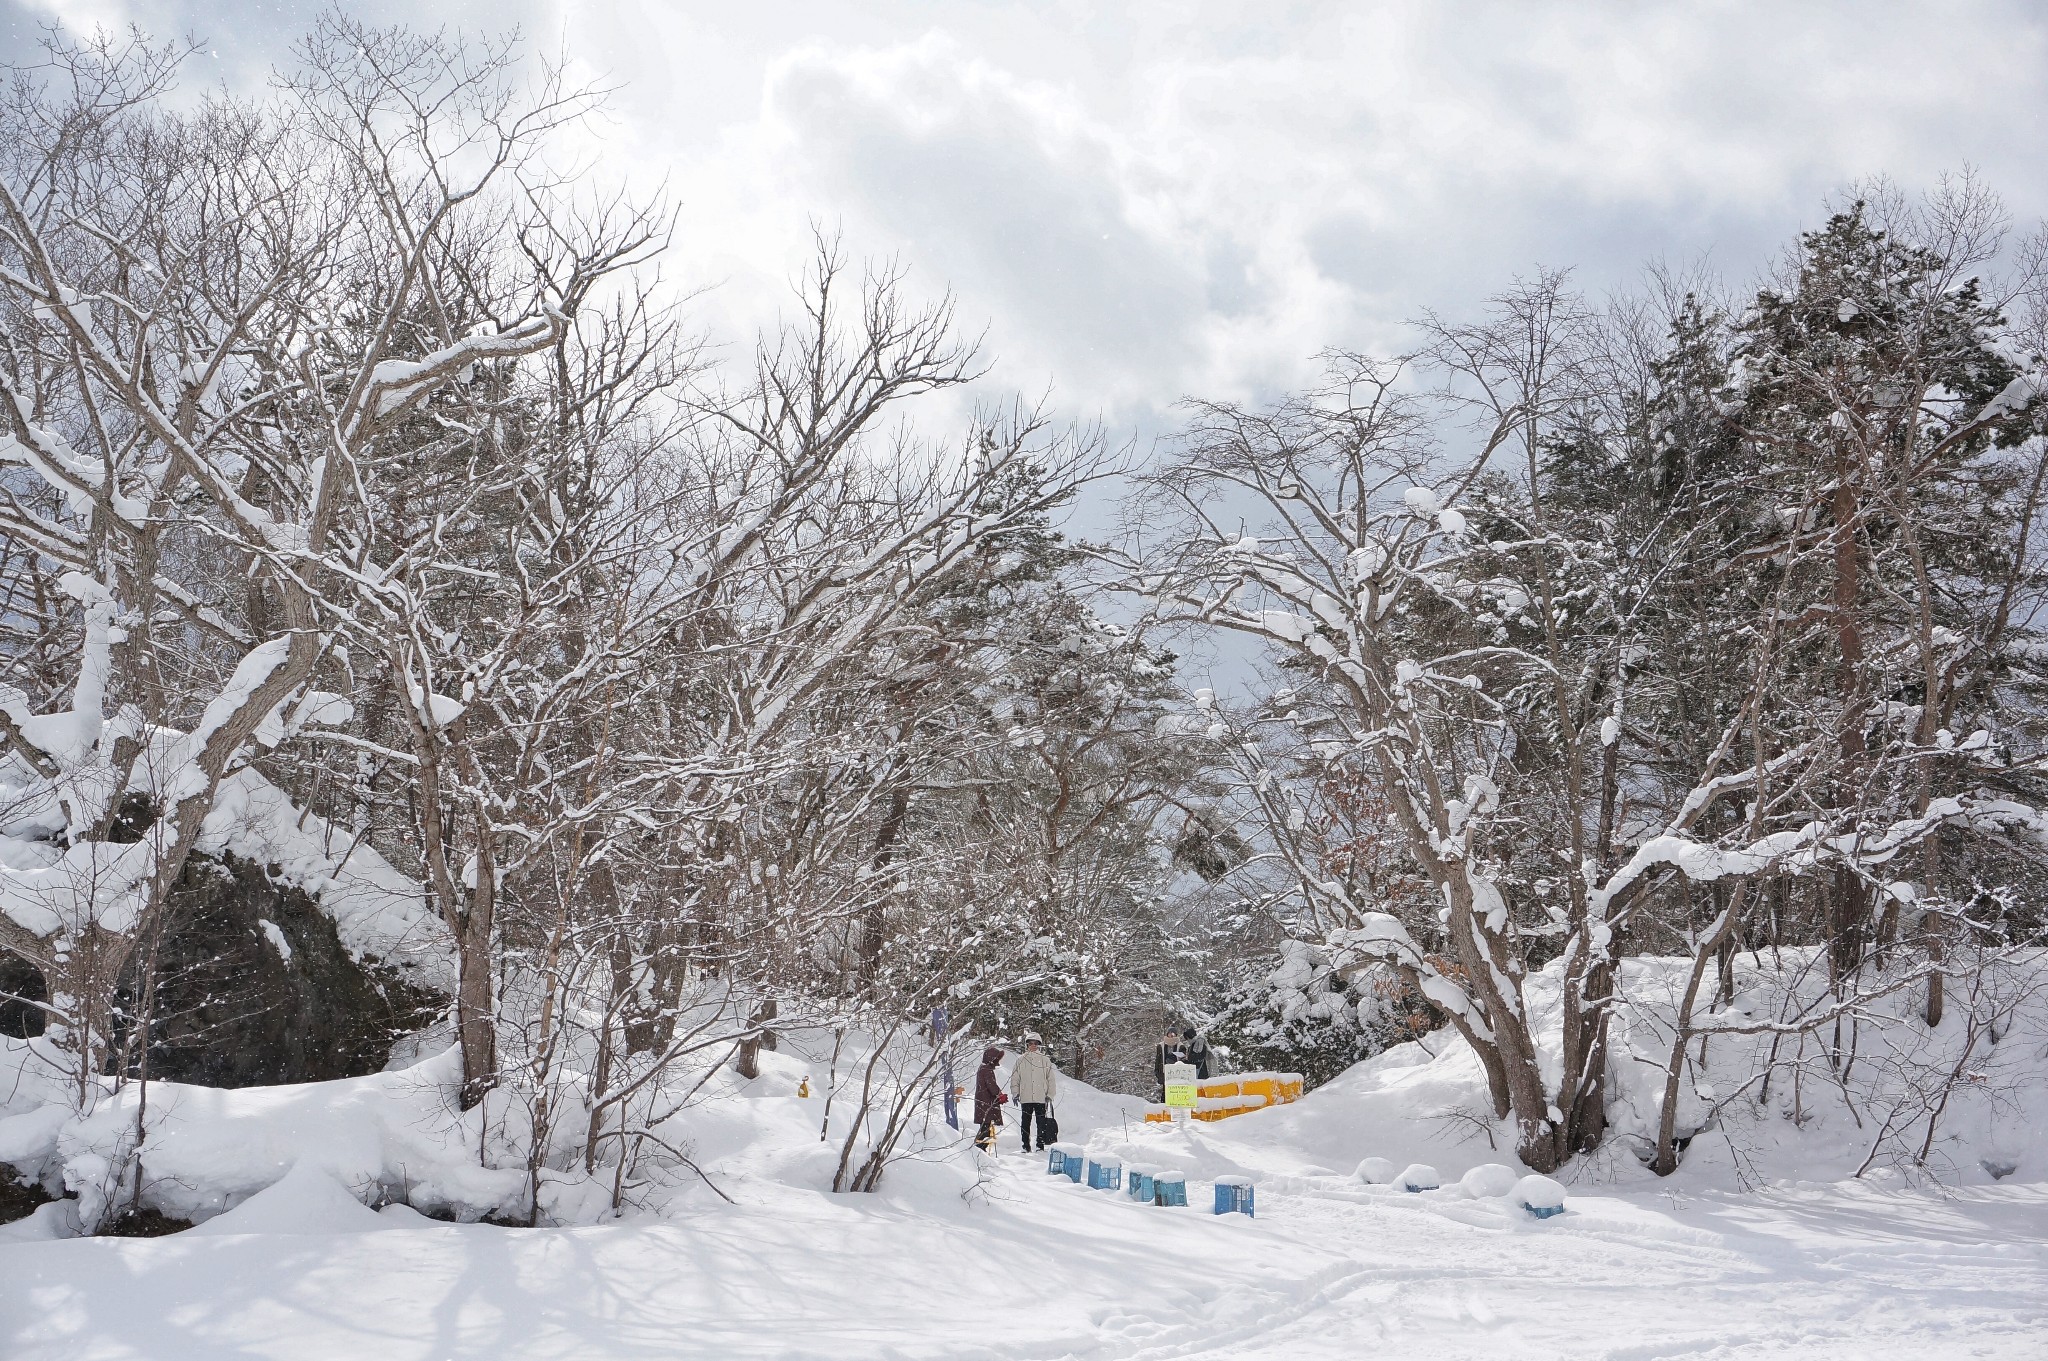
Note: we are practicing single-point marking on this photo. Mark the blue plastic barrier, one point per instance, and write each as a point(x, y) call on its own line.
point(1055, 1163)
point(1234, 1196)
point(1169, 1189)
point(1140, 1183)
point(1105, 1176)
point(1066, 1160)
point(1544, 1211)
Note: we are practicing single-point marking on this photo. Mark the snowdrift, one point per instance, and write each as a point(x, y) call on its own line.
point(393, 1136)
point(1981, 1077)
point(261, 1155)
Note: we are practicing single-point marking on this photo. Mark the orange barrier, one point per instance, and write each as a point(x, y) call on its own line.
point(1236, 1094)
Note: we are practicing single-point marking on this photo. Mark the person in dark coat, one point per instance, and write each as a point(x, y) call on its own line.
point(1196, 1048)
point(989, 1097)
point(1169, 1051)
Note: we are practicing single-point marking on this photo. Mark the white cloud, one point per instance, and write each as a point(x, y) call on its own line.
point(1158, 198)
point(82, 17)
point(1169, 196)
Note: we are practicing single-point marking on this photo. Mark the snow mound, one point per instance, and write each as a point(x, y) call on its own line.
point(1418, 1177)
point(1489, 1180)
point(1538, 1194)
point(303, 1158)
point(47, 1223)
point(398, 1135)
point(1376, 1171)
point(306, 1200)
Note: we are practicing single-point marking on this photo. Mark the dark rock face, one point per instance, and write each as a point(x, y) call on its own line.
point(19, 1199)
point(255, 988)
point(21, 987)
point(142, 1224)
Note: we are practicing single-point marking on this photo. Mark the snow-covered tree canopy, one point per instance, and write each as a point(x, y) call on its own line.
point(1672, 625)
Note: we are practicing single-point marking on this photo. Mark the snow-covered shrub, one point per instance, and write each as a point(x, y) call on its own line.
point(1301, 1016)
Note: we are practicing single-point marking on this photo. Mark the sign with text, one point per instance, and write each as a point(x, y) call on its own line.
point(1180, 1085)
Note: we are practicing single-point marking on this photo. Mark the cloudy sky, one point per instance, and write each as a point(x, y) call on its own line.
point(1144, 200)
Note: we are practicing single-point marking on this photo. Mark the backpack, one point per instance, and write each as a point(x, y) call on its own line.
point(1048, 1127)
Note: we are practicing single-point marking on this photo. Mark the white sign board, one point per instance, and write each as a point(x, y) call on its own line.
point(1180, 1085)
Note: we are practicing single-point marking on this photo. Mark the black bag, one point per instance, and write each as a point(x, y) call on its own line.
point(1048, 1128)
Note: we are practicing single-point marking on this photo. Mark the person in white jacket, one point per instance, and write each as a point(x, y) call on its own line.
point(1032, 1086)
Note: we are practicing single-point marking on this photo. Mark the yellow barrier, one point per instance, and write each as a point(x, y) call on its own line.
point(1235, 1096)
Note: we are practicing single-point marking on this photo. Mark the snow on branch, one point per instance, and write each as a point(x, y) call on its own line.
point(1805, 849)
point(395, 384)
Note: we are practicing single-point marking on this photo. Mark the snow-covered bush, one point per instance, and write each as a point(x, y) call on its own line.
point(1303, 1016)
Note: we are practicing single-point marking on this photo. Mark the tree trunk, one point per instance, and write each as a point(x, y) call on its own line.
point(748, 1064)
point(475, 1024)
point(873, 922)
point(1936, 952)
point(1586, 1120)
point(1848, 905)
point(1704, 953)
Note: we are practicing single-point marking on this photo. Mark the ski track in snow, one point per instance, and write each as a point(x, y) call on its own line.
point(1048, 1271)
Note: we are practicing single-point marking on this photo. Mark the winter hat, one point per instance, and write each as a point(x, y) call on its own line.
point(1032, 1036)
point(1188, 1034)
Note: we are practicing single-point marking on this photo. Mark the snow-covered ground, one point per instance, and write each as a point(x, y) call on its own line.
point(1034, 1266)
point(1762, 1245)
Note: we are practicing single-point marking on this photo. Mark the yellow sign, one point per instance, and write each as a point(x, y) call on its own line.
point(1180, 1085)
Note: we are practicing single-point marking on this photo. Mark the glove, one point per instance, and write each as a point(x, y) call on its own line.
point(1002, 1098)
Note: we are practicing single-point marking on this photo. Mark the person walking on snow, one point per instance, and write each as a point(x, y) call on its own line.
point(1169, 1051)
point(1197, 1050)
point(989, 1097)
point(1033, 1084)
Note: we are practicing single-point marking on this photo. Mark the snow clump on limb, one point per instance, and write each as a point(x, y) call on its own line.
point(1422, 502)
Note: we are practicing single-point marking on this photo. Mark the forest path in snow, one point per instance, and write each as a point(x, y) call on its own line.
point(1817, 1271)
point(1043, 1270)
